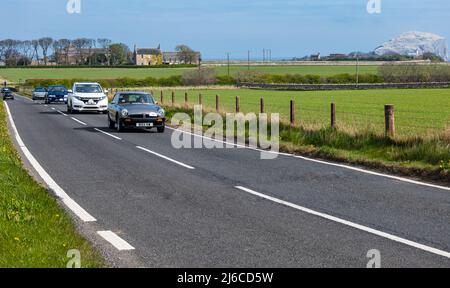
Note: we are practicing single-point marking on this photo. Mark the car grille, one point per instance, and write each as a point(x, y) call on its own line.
point(141, 116)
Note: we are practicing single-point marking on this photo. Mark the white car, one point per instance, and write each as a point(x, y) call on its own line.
point(85, 97)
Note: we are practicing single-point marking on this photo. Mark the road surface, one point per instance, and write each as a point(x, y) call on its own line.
point(227, 207)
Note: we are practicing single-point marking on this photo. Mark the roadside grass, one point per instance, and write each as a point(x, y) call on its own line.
point(422, 113)
point(21, 74)
point(34, 230)
point(425, 158)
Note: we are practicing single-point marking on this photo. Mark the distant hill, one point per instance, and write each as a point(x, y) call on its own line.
point(415, 44)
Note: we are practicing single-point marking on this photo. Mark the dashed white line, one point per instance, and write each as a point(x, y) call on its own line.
point(76, 120)
point(402, 179)
point(165, 157)
point(53, 108)
point(62, 113)
point(109, 134)
point(115, 240)
point(69, 202)
point(348, 223)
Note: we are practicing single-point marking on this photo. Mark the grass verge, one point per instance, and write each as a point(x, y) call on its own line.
point(35, 231)
point(428, 159)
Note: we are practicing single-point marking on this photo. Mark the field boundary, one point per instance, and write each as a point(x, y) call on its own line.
point(313, 87)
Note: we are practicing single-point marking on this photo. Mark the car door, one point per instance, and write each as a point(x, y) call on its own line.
point(112, 107)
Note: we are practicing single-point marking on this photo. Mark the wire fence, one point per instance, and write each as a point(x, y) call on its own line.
point(356, 117)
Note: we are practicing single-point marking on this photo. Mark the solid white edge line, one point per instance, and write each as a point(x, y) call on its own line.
point(59, 192)
point(165, 157)
point(348, 223)
point(402, 179)
point(76, 120)
point(115, 240)
point(109, 134)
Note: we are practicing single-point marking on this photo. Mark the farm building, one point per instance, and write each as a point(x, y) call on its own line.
point(148, 56)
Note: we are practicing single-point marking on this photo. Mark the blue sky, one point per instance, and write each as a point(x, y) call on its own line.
point(288, 27)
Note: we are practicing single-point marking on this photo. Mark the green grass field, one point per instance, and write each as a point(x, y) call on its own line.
point(17, 74)
point(35, 231)
point(419, 112)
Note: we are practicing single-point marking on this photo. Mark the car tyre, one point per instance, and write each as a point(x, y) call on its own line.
point(111, 123)
point(119, 125)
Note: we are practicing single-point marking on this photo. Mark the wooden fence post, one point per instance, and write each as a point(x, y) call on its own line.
point(162, 97)
point(200, 99)
point(238, 106)
point(186, 99)
point(173, 98)
point(333, 115)
point(292, 112)
point(262, 108)
point(217, 104)
point(389, 120)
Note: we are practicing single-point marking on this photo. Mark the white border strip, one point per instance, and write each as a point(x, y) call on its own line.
point(321, 162)
point(165, 157)
point(115, 240)
point(348, 223)
point(59, 192)
point(109, 134)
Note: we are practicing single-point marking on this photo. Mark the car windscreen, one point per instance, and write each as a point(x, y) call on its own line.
point(88, 88)
point(136, 99)
point(57, 89)
point(39, 90)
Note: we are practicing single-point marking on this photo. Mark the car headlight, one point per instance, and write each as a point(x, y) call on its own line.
point(161, 112)
point(77, 97)
point(103, 98)
point(124, 112)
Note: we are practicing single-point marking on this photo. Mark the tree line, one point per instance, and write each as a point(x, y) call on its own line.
point(80, 51)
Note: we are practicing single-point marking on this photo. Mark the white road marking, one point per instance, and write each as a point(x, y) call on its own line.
point(165, 157)
point(115, 240)
point(402, 179)
point(348, 223)
point(53, 108)
point(76, 120)
point(45, 105)
point(59, 192)
point(109, 134)
point(62, 113)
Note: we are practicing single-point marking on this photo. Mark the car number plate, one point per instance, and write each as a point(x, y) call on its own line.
point(144, 124)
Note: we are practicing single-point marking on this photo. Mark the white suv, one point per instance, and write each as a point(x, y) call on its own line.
point(87, 97)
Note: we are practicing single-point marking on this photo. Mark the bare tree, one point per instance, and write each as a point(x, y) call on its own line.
point(105, 45)
point(35, 44)
point(27, 51)
point(45, 44)
point(186, 54)
point(80, 44)
point(90, 43)
point(65, 45)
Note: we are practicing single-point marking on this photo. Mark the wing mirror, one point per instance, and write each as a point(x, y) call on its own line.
point(106, 91)
point(156, 102)
point(70, 91)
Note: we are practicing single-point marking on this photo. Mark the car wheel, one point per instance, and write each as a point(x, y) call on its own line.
point(119, 124)
point(111, 123)
point(161, 129)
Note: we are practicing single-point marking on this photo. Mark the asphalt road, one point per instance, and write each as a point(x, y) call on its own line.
point(179, 217)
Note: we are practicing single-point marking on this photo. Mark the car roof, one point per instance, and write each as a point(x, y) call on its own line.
point(132, 92)
point(86, 83)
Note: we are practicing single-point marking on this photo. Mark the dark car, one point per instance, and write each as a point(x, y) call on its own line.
point(7, 93)
point(56, 93)
point(135, 110)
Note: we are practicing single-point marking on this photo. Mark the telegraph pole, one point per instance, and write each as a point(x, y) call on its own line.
point(228, 61)
point(248, 59)
point(357, 68)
